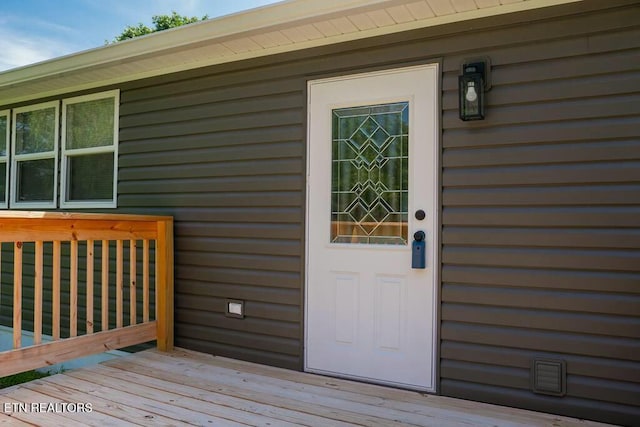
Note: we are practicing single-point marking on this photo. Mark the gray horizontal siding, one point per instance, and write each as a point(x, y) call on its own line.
point(227, 161)
point(570, 280)
point(541, 221)
point(523, 398)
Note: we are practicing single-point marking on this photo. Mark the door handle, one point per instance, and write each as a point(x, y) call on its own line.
point(418, 250)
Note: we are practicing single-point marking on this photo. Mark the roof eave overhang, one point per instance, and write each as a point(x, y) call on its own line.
point(282, 27)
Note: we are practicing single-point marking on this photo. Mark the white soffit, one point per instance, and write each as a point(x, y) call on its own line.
point(281, 27)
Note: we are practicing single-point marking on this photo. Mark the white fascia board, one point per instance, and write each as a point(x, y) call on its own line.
point(279, 16)
point(252, 21)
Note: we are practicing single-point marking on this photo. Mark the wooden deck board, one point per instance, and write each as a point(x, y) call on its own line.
point(24, 396)
point(376, 409)
point(189, 388)
point(383, 402)
point(125, 405)
point(269, 413)
point(197, 375)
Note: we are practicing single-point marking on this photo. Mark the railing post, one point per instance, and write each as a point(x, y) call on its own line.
point(164, 285)
point(17, 295)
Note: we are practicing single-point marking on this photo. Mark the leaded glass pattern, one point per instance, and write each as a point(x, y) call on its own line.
point(370, 174)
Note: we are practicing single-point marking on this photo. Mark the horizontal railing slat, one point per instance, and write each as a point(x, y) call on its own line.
point(21, 230)
point(27, 358)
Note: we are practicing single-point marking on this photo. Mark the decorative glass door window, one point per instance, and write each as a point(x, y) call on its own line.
point(370, 174)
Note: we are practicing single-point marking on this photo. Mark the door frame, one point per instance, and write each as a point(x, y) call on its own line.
point(437, 153)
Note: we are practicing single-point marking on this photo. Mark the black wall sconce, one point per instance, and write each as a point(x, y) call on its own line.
point(472, 84)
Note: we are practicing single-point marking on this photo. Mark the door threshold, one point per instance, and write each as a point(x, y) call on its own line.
point(372, 381)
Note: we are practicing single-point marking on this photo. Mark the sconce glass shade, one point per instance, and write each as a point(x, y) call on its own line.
point(471, 96)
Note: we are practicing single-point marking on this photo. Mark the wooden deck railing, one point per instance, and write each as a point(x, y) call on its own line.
point(47, 248)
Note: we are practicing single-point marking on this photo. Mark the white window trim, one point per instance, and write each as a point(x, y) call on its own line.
point(5, 159)
point(67, 153)
point(34, 156)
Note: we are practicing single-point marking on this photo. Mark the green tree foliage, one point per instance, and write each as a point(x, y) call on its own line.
point(160, 23)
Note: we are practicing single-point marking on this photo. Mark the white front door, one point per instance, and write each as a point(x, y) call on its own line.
point(372, 177)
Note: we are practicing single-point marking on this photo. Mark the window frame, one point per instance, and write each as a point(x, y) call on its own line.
point(15, 158)
point(5, 159)
point(67, 154)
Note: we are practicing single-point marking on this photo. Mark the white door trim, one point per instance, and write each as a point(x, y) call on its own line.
point(434, 276)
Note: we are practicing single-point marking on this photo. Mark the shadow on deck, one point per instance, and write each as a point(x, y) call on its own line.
point(189, 388)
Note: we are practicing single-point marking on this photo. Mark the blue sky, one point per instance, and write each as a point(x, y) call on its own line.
point(36, 30)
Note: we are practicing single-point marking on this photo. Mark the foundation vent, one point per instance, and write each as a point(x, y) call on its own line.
point(549, 377)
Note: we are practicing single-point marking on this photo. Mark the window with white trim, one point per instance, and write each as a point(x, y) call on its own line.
point(89, 150)
point(34, 148)
point(60, 155)
point(5, 132)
